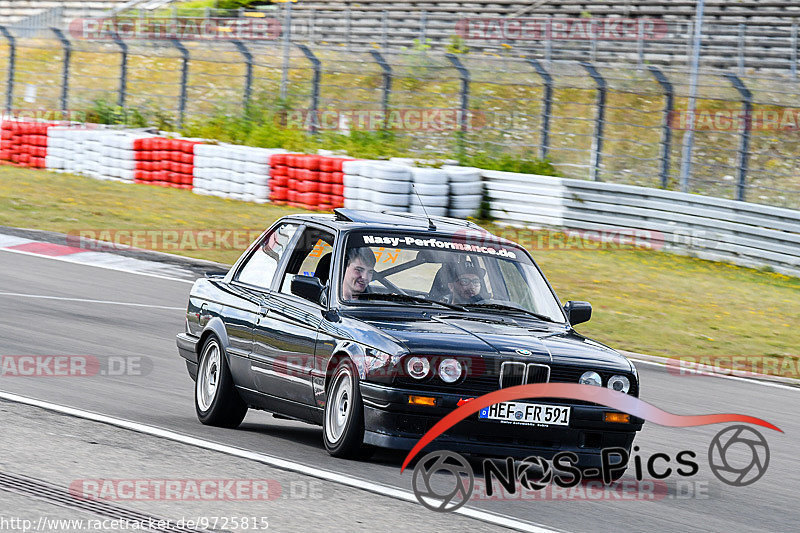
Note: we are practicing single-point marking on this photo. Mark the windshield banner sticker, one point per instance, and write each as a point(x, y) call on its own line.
point(437, 243)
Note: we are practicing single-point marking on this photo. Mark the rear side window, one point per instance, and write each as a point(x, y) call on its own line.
point(260, 268)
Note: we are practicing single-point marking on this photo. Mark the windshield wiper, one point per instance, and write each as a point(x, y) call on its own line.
point(394, 297)
point(509, 307)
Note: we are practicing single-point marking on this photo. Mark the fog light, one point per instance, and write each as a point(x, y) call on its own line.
point(450, 370)
point(418, 367)
point(619, 384)
point(591, 378)
point(422, 400)
point(621, 418)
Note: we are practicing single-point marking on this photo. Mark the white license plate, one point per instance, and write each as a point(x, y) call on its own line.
point(527, 413)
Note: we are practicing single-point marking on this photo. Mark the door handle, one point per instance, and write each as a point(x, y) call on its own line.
point(263, 310)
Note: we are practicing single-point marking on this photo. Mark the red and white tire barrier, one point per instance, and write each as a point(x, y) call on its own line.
point(99, 153)
point(312, 182)
point(466, 190)
point(24, 143)
point(377, 186)
point(165, 162)
point(231, 171)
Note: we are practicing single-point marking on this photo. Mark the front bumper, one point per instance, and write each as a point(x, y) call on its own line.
point(391, 422)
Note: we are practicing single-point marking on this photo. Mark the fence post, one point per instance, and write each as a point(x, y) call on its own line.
point(740, 49)
point(12, 62)
point(315, 63)
point(744, 144)
point(384, 33)
point(640, 43)
point(65, 71)
point(387, 84)
point(423, 20)
point(349, 26)
point(312, 26)
point(123, 70)
point(248, 76)
point(593, 51)
point(794, 50)
point(547, 105)
point(464, 74)
point(287, 37)
point(184, 79)
point(548, 41)
point(597, 142)
point(666, 131)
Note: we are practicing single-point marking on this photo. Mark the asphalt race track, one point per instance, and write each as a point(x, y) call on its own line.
point(163, 399)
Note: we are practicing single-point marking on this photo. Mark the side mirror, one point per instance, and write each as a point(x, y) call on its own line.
point(307, 287)
point(578, 312)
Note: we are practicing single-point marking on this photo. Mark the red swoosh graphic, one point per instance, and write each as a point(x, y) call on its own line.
point(573, 391)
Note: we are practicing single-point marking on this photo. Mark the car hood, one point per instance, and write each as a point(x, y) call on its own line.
point(515, 339)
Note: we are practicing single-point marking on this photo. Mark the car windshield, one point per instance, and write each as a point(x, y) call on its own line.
point(421, 269)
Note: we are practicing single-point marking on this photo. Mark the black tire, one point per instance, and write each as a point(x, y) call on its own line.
point(343, 420)
point(215, 398)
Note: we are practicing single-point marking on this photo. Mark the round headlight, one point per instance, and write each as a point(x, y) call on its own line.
point(619, 384)
point(591, 378)
point(418, 367)
point(450, 370)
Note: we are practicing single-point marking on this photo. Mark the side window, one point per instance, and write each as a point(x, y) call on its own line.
point(260, 268)
point(311, 257)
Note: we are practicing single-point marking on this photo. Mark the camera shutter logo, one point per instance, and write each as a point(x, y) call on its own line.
point(425, 481)
point(735, 441)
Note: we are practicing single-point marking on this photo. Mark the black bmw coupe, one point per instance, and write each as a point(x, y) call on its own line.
point(376, 325)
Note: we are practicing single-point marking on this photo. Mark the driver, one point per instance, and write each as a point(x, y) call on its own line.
point(466, 283)
point(358, 272)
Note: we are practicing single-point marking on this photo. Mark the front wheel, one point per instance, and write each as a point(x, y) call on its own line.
point(215, 398)
point(343, 424)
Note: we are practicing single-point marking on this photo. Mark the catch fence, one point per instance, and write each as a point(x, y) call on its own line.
point(620, 121)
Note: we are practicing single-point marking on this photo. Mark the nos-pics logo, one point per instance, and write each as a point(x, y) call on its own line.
point(737, 456)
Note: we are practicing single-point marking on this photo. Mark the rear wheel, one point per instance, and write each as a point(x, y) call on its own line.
point(215, 398)
point(343, 424)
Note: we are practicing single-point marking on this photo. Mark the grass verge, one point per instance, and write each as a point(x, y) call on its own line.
point(648, 302)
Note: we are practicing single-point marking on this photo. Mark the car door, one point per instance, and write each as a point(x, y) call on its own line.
point(250, 288)
point(285, 334)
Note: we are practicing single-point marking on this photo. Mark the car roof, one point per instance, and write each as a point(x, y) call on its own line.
point(348, 219)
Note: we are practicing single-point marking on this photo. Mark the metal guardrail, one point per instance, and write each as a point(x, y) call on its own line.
point(717, 229)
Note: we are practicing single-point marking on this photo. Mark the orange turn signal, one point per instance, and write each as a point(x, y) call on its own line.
point(617, 417)
point(422, 400)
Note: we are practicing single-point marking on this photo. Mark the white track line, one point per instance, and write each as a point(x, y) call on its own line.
point(84, 300)
point(284, 464)
point(753, 381)
point(107, 267)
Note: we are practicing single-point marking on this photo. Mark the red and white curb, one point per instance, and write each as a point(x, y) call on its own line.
point(109, 260)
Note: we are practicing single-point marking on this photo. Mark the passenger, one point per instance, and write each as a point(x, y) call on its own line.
point(358, 272)
point(466, 283)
